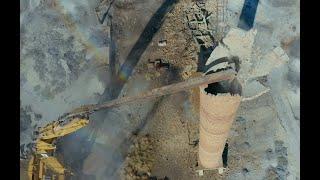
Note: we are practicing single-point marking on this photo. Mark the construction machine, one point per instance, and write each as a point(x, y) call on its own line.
point(44, 165)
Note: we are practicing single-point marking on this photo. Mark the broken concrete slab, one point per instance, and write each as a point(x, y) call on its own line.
point(219, 66)
point(272, 60)
point(236, 43)
point(218, 52)
point(253, 89)
point(240, 42)
point(253, 64)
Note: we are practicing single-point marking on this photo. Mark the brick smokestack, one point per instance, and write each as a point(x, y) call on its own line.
point(218, 108)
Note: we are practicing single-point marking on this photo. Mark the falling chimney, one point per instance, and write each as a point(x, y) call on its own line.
point(218, 107)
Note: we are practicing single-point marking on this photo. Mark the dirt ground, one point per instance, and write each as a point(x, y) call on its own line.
point(174, 131)
point(174, 125)
point(164, 144)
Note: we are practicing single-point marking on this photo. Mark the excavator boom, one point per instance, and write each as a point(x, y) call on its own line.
point(42, 163)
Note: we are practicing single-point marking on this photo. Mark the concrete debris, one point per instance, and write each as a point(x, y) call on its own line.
point(236, 43)
point(218, 53)
point(140, 159)
point(240, 43)
point(254, 89)
point(162, 43)
point(273, 59)
point(158, 64)
point(196, 17)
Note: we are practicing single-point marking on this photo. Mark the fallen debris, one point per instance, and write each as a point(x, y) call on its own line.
point(162, 43)
point(103, 10)
point(254, 90)
point(239, 43)
point(196, 17)
point(158, 64)
point(140, 159)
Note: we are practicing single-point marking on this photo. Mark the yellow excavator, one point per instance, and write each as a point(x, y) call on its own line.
point(43, 164)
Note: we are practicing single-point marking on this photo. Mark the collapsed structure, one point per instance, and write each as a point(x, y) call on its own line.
point(219, 101)
point(216, 116)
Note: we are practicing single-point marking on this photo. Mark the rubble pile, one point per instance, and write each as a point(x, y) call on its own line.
point(197, 20)
point(140, 159)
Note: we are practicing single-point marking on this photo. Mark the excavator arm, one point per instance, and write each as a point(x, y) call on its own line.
point(57, 129)
point(42, 163)
point(42, 160)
